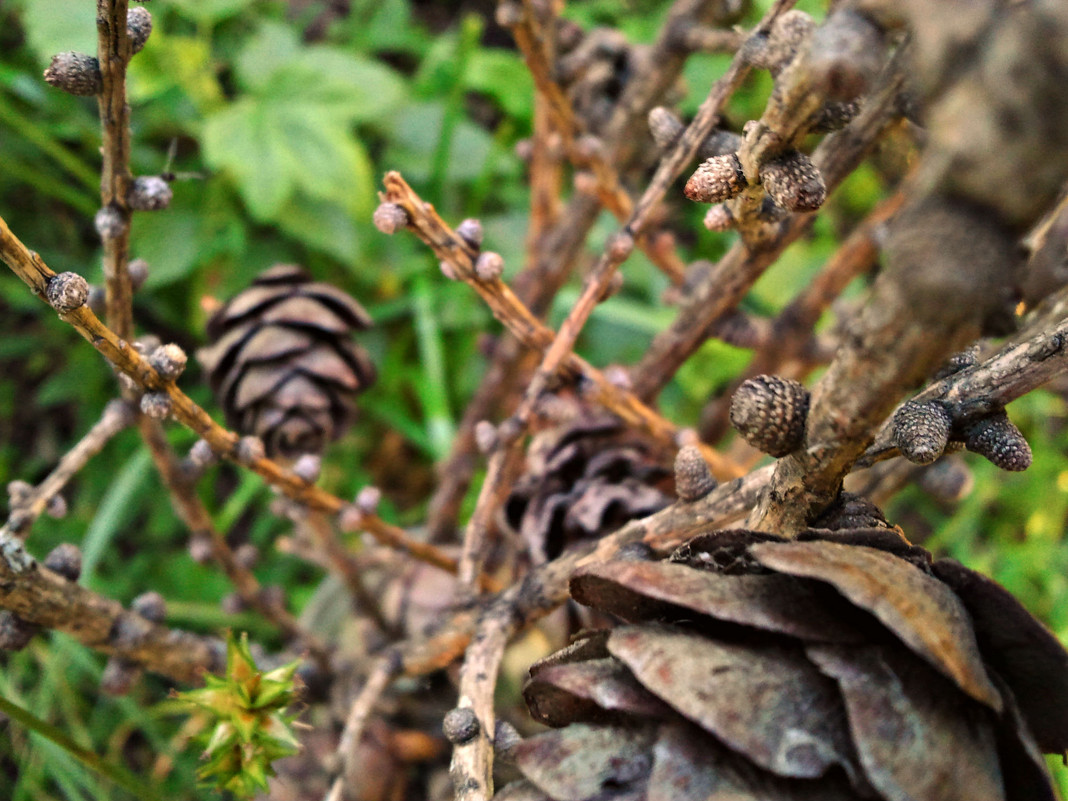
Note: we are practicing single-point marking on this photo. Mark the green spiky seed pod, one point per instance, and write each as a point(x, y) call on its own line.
point(770, 412)
point(251, 730)
point(717, 179)
point(921, 430)
point(999, 440)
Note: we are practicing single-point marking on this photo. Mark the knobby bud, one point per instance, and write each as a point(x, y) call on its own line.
point(470, 231)
point(110, 222)
point(138, 27)
point(834, 116)
point(789, 33)
point(15, 633)
point(67, 292)
point(368, 499)
point(921, 430)
point(149, 193)
point(719, 218)
point(693, 478)
point(665, 127)
point(157, 405)
point(56, 507)
point(793, 182)
point(169, 361)
point(999, 440)
point(246, 556)
point(485, 437)
point(717, 179)
point(65, 559)
point(75, 73)
point(150, 606)
point(119, 676)
point(460, 725)
point(390, 218)
point(249, 450)
point(489, 266)
point(308, 467)
point(770, 413)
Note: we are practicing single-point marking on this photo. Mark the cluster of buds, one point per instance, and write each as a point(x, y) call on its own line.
point(790, 179)
point(79, 73)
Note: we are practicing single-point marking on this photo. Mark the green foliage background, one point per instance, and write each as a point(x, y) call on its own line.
point(279, 146)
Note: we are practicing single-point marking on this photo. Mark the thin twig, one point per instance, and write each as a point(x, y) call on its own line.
point(507, 308)
point(44, 598)
point(385, 668)
point(117, 416)
point(37, 275)
point(114, 52)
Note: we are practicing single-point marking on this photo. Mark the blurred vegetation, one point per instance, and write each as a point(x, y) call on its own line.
point(281, 121)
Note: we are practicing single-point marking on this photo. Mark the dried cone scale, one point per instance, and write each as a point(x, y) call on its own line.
point(282, 363)
point(584, 477)
point(845, 664)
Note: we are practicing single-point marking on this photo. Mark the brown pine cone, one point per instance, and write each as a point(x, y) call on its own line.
point(583, 479)
point(841, 665)
point(282, 364)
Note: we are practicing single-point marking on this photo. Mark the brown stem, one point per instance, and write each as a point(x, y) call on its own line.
point(37, 275)
point(117, 416)
point(39, 596)
point(113, 52)
point(507, 308)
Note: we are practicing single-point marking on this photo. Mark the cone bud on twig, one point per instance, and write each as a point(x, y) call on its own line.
point(368, 499)
point(201, 454)
point(787, 36)
point(119, 676)
point(620, 246)
point(485, 437)
point(999, 440)
point(149, 193)
point(921, 430)
point(138, 272)
point(460, 725)
point(717, 179)
point(200, 550)
point(769, 412)
point(948, 480)
point(109, 223)
point(794, 182)
point(350, 519)
point(138, 27)
point(618, 376)
point(308, 467)
point(157, 405)
point(719, 218)
point(246, 555)
point(470, 231)
point(665, 127)
point(489, 266)
point(75, 73)
point(390, 218)
point(67, 292)
point(169, 361)
point(693, 478)
point(65, 559)
point(15, 633)
point(249, 449)
point(615, 283)
point(846, 55)
point(834, 116)
point(962, 360)
point(18, 492)
point(56, 508)
point(150, 606)
point(449, 271)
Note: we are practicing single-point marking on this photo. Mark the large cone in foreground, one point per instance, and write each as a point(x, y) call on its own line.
point(282, 363)
point(845, 664)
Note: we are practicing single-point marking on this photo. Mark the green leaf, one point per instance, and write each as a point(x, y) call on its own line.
point(209, 12)
point(54, 26)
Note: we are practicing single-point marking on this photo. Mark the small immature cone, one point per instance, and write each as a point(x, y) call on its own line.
point(470, 231)
point(15, 633)
point(717, 179)
point(149, 193)
point(769, 412)
point(65, 559)
point(151, 606)
point(719, 218)
point(921, 430)
point(119, 676)
point(390, 218)
point(308, 467)
point(489, 266)
point(157, 405)
point(1000, 441)
point(693, 478)
point(793, 182)
point(460, 725)
point(846, 54)
point(665, 127)
point(834, 116)
point(788, 34)
point(485, 437)
point(138, 27)
point(67, 292)
point(109, 222)
point(75, 73)
point(169, 361)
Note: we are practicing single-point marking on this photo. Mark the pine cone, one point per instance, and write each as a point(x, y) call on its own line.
point(281, 363)
point(584, 479)
point(841, 665)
